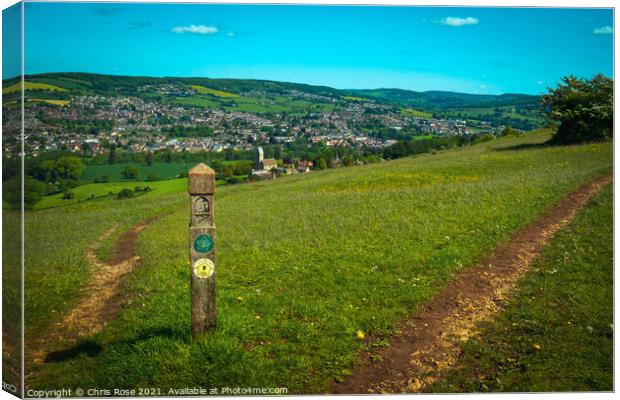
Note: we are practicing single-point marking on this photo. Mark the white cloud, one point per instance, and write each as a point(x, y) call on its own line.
point(196, 29)
point(457, 21)
point(604, 30)
point(230, 34)
point(539, 82)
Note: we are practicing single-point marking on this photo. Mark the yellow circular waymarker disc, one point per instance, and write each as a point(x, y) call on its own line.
point(204, 268)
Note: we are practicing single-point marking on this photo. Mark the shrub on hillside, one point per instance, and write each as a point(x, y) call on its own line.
point(34, 190)
point(139, 189)
point(486, 137)
point(130, 172)
point(102, 179)
point(583, 109)
point(153, 177)
point(510, 131)
point(125, 193)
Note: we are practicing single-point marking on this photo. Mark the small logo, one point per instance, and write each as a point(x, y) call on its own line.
point(204, 268)
point(203, 243)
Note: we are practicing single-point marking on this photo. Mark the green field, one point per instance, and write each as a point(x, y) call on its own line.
point(416, 113)
point(49, 101)
point(217, 93)
point(31, 86)
point(114, 171)
point(557, 334)
point(354, 98)
point(504, 112)
point(422, 137)
point(108, 191)
point(304, 263)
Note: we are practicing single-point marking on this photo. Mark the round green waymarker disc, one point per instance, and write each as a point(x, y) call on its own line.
point(203, 243)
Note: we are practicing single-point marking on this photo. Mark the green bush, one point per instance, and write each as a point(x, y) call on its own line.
point(125, 193)
point(486, 137)
point(102, 179)
point(510, 131)
point(34, 190)
point(130, 172)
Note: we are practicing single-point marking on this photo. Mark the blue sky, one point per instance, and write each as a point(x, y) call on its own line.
point(11, 41)
point(473, 50)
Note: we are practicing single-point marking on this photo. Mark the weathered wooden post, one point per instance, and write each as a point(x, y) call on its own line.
point(201, 187)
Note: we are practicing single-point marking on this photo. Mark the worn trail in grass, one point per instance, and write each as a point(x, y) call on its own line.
point(429, 343)
point(100, 300)
point(557, 332)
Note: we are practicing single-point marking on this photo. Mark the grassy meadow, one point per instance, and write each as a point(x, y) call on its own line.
point(304, 263)
point(96, 192)
point(11, 298)
point(106, 192)
point(557, 333)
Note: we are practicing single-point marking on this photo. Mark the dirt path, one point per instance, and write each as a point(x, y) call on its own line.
point(100, 302)
point(427, 344)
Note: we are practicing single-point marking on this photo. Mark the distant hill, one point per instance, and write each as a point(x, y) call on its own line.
point(257, 96)
point(118, 84)
point(447, 100)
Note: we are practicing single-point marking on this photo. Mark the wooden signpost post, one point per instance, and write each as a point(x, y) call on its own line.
point(201, 187)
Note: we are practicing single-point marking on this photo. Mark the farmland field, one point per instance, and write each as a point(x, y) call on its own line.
point(217, 93)
point(354, 98)
point(49, 101)
point(416, 113)
point(31, 86)
point(305, 263)
point(499, 112)
point(114, 171)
